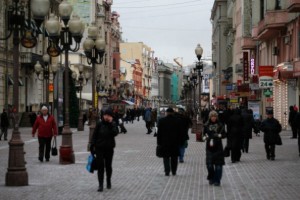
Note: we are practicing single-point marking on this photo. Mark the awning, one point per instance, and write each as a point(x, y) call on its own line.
point(128, 102)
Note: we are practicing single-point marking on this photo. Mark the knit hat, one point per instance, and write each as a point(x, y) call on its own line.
point(44, 108)
point(108, 111)
point(269, 112)
point(170, 110)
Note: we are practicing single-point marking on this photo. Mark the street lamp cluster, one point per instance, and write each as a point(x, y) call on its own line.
point(61, 41)
point(22, 33)
point(46, 70)
point(94, 49)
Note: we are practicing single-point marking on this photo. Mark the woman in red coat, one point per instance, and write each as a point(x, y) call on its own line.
point(46, 125)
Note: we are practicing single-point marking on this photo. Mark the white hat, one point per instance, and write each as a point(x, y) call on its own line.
point(44, 108)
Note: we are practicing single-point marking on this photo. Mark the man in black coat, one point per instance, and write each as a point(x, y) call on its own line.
point(170, 138)
point(271, 128)
point(4, 124)
point(292, 121)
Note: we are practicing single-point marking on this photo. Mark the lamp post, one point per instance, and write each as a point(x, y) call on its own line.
point(46, 73)
point(71, 29)
point(22, 33)
point(199, 68)
point(94, 49)
point(81, 78)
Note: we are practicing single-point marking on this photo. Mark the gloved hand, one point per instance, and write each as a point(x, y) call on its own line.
point(92, 150)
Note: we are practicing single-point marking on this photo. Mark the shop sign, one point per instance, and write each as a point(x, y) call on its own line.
point(269, 99)
point(229, 87)
point(266, 76)
point(245, 66)
point(233, 100)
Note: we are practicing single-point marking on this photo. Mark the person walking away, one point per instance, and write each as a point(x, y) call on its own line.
point(235, 135)
point(32, 118)
point(213, 134)
point(4, 124)
point(47, 128)
point(147, 119)
point(102, 145)
point(292, 121)
point(271, 128)
point(248, 124)
point(169, 138)
point(186, 123)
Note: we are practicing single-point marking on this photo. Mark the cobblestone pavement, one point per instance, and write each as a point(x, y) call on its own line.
point(138, 173)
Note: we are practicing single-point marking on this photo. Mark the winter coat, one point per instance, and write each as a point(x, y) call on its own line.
point(46, 129)
point(147, 116)
point(248, 124)
point(4, 120)
point(292, 117)
point(104, 135)
point(235, 131)
point(271, 128)
point(169, 135)
point(214, 146)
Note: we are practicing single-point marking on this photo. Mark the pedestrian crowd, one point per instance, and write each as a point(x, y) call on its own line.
point(171, 129)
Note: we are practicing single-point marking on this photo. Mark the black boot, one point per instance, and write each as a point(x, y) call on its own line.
point(100, 189)
point(108, 183)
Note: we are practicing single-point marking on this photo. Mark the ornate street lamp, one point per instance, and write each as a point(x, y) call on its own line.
point(46, 73)
point(81, 78)
point(72, 29)
point(94, 49)
point(22, 33)
point(199, 68)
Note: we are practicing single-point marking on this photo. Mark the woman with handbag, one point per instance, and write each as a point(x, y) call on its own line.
point(103, 144)
point(46, 126)
point(271, 128)
point(213, 134)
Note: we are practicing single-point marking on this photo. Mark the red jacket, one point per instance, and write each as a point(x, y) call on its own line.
point(45, 129)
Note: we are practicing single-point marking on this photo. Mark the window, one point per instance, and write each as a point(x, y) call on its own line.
point(278, 5)
point(114, 64)
point(262, 9)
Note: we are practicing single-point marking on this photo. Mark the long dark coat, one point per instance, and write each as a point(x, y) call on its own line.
point(215, 153)
point(234, 131)
point(271, 128)
point(169, 135)
point(248, 124)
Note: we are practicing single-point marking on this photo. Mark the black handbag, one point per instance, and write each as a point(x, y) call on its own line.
point(54, 148)
point(159, 151)
point(278, 140)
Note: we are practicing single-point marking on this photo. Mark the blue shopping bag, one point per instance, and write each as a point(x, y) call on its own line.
point(91, 164)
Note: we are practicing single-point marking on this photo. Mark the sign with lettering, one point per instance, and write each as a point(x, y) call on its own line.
point(266, 76)
point(245, 66)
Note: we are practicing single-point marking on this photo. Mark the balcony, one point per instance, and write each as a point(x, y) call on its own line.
point(273, 22)
point(293, 6)
point(248, 43)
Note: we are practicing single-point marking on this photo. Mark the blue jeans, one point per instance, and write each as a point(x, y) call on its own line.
point(181, 153)
point(214, 173)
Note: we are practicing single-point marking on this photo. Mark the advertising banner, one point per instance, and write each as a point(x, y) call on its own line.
point(254, 106)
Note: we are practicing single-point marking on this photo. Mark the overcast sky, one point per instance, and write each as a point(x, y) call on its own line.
point(172, 28)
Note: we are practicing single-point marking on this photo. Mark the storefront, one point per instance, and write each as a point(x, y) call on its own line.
point(284, 94)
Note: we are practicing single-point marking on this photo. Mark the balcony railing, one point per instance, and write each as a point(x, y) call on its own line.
point(293, 6)
point(248, 43)
point(274, 20)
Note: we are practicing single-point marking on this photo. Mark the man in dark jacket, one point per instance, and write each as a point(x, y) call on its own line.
point(235, 135)
point(103, 144)
point(170, 138)
point(271, 128)
point(4, 124)
point(292, 121)
point(248, 124)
